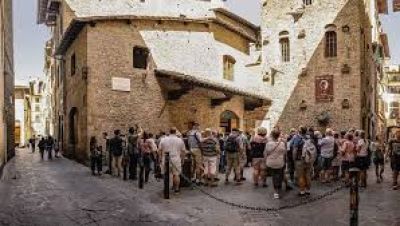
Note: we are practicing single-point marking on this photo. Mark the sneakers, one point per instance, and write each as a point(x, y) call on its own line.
point(276, 196)
point(395, 187)
point(302, 194)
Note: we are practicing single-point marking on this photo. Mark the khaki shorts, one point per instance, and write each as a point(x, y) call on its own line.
point(210, 165)
point(197, 158)
point(175, 167)
point(259, 163)
point(232, 160)
point(242, 159)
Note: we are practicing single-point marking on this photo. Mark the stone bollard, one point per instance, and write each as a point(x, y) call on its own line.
point(166, 176)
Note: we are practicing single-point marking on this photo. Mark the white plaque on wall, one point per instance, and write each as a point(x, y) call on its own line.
point(121, 84)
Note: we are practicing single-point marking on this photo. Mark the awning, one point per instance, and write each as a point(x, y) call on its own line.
point(209, 84)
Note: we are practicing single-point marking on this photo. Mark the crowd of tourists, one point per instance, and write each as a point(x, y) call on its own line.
point(46, 145)
point(290, 159)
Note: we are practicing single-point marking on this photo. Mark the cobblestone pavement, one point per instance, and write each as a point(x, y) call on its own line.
point(62, 192)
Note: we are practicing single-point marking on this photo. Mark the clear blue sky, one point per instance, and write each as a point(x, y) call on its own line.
point(29, 38)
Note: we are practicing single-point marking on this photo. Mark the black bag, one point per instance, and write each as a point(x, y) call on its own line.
point(186, 173)
point(231, 145)
point(257, 150)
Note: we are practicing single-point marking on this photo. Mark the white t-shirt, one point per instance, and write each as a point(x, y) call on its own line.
point(174, 146)
point(327, 145)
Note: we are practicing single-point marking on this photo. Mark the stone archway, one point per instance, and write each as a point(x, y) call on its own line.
point(72, 131)
point(228, 121)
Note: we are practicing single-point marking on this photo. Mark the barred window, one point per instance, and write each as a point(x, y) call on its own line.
point(73, 64)
point(285, 49)
point(229, 67)
point(330, 44)
point(140, 57)
point(307, 2)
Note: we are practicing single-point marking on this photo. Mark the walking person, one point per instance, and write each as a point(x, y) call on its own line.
point(32, 143)
point(362, 160)
point(378, 157)
point(42, 147)
point(289, 155)
point(258, 143)
point(175, 146)
point(56, 149)
point(233, 148)
point(242, 153)
point(117, 151)
point(394, 154)
point(95, 156)
point(222, 158)
point(194, 139)
point(275, 152)
point(133, 136)
point(327, 146)
point(211, 151)
point(49, 147)
point(147, 147)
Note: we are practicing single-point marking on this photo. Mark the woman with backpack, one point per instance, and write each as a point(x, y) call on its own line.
point(257, 144)
point(275, 152)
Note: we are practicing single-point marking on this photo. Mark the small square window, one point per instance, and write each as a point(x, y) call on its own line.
point(140, 57)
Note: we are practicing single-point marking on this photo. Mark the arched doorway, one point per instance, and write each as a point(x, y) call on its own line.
point(228, 121)
point(72, 131)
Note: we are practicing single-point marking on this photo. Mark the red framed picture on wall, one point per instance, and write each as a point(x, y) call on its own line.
point(324, 88)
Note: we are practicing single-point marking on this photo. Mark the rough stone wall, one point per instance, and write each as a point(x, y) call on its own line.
point(290, 88)
point(6, 83)
point(76, 96)
point(110, 48)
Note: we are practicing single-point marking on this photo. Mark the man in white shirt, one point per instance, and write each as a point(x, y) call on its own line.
point(176, 149)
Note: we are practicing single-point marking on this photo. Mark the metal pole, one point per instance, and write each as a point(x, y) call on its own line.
point(141, 172)
point(166, 177)
point(354, 197)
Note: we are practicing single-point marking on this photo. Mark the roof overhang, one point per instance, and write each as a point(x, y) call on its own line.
point(204, 82)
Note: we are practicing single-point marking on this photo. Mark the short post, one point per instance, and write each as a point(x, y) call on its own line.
point(166, 177)
point(141, 173)
point(354, 197)
point(125, 162)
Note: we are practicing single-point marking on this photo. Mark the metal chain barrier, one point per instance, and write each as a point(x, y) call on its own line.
point(264, 209)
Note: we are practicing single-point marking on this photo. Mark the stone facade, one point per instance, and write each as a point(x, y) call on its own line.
point(294, 89)
point(195, 47)
point(6, 83)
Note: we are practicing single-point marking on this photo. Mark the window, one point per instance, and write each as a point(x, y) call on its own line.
point(37, 108)
point(285, 49)
point(307, 2)
point(330, 44)
point(229, 67)
point(140, 57)
point(394, 110)
point(73, 64)
point(37, 119)
point(37, 99)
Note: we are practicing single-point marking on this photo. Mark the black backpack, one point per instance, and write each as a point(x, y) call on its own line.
point(257, 149)
point(116, 146)
point(231, 145)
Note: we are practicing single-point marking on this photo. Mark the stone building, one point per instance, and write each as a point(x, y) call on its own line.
point(38, 105)
point(6, 83)
point(155, 63)
point(319, 62)
point(23, 113)
point(391, 99)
